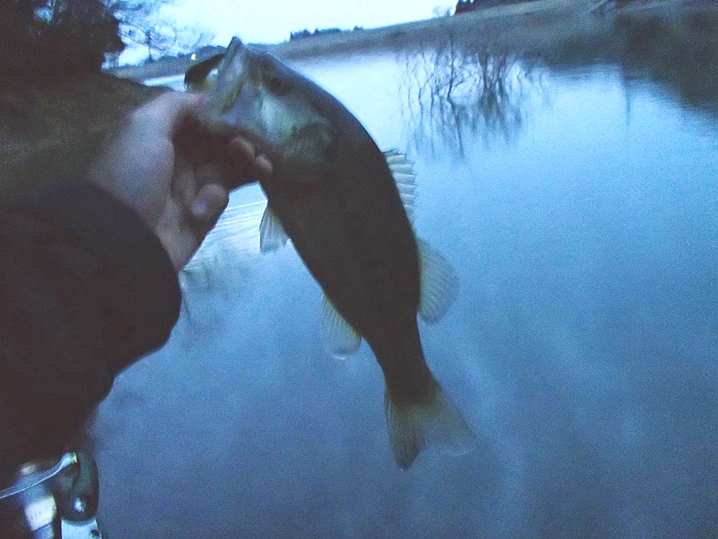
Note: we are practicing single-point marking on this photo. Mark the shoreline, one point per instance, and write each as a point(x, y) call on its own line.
point(520, 27)
point(383, 37)
point(51, 131)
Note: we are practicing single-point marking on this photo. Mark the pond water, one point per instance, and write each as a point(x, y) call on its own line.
point(579, 206)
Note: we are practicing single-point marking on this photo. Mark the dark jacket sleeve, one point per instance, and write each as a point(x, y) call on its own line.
point(85, 290)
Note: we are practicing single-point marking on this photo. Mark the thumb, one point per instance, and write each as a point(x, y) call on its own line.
point(207, 205)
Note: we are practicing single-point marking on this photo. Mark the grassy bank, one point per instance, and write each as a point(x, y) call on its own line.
point(49, 131)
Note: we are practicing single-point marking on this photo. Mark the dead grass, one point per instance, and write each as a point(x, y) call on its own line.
point(49, 131)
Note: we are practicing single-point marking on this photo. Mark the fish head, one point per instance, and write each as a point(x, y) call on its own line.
point(257, 96)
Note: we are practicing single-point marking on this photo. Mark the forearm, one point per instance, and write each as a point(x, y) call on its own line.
point(85, 289)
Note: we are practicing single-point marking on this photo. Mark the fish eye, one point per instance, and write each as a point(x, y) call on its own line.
point(276, 85)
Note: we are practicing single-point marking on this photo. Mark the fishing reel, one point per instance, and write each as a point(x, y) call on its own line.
point(52, 501)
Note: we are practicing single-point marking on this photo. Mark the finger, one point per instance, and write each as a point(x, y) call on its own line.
point(241, 149)
point(245, 165)
point(263, 166)
point(257, 163)
point(208, 205)
point(184, 182)
point(240, 160)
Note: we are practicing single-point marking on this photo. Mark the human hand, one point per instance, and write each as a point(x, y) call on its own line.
point(179, 198)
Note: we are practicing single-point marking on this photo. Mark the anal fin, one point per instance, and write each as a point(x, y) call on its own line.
point(339, 338)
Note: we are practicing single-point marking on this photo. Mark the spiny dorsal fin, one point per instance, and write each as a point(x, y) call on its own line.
point(271, 232)
point(339, 338)
point(403, 172)
point(439, 284)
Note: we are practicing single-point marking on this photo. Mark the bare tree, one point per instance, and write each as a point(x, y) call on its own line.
point(456, 91)
point(143, 24)
point(45, 38)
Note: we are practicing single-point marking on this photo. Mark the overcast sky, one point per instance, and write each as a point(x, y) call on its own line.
point(271, 21)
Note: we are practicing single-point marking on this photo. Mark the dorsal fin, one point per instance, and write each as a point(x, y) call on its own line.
point(403, 172)
point(439, 284)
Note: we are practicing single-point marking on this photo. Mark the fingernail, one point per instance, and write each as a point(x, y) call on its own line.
point(200, 209)
point(263, 163)
point(243, 146)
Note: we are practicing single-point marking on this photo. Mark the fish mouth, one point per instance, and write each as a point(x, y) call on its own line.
point(231, 102)
point(232, 75)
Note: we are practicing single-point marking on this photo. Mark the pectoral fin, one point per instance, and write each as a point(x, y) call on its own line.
point(271, 233)
point(339, 338)
point(433, 422)
point(439, 284)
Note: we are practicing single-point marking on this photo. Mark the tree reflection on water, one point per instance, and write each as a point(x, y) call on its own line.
point(455, 92)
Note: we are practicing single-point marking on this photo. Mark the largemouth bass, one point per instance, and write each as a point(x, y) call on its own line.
point(335, 194)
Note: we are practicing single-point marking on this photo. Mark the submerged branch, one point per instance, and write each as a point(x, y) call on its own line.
point(456, 92)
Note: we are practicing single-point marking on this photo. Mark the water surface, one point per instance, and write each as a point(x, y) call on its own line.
point(577, 202)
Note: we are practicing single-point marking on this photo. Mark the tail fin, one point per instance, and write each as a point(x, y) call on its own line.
point(434, 422)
